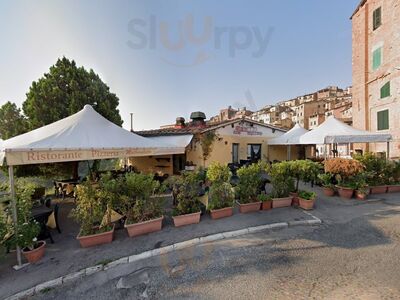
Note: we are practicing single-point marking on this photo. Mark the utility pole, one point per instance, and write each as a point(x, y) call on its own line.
point(131, 122)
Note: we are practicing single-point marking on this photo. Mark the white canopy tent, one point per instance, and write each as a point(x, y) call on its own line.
point(85, 135)
point(333, 131)
point(291, 137)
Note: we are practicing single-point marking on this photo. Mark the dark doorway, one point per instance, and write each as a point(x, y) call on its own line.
point(179, 161)
point(254, 152)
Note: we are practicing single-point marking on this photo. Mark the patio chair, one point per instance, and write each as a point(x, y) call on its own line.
point(55, 212)
point(44, 230)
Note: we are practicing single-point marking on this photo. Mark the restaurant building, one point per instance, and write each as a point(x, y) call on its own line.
point(236, 141)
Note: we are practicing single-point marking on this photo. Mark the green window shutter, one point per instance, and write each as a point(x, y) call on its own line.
point(385, 90)
point(377, 18)
point(383, 119)
point(377, 58)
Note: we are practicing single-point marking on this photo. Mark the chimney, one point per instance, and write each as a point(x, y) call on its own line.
point(180, 122)
point(198, 118)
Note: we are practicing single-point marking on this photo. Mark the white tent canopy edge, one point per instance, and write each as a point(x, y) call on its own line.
point(85, 135)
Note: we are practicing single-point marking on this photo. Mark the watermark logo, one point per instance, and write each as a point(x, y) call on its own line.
point(201, 41)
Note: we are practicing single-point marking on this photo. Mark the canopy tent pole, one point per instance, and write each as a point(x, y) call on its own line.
point(14, 210)
point(387, 150)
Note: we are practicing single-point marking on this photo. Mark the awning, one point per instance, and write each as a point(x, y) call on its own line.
point(176, 141)
point(335, 131)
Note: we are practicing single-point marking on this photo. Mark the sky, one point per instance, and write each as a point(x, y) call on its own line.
point(165, 59)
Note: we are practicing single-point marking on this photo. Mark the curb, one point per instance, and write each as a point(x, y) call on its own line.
point(159, 251)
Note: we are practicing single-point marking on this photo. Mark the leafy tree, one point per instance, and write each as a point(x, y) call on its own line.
point(64, 91)
point(12, 122)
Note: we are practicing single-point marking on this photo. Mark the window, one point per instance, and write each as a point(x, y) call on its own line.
point(377, 18)
point(385, 90)
point(377, 58)
point(235, 153)
point(383, 119)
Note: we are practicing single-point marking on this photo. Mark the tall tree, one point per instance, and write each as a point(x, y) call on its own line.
point(12, 122)
point(64, 91)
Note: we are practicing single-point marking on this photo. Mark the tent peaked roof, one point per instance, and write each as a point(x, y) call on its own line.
point(85, 135)
point(335, 131)
point(292, 137)
point(86, 129)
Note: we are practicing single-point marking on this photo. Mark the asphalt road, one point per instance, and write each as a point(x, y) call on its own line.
point(357, 258)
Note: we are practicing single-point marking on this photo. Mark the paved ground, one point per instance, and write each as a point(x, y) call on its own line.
point(355, 254)
point(66, 256)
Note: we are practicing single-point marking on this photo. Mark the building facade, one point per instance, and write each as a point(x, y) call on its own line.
point(376, 71)
point(234, 141)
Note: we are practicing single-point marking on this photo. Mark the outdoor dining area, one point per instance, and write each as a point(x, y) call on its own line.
point(95, 206)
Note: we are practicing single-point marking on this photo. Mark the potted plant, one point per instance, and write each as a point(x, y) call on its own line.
point(188, 208)
point(327, 186)
point(282, 183)
point(361, 187)
point(377, 170)
point(266, 201)
point(248, 188)
point(302, 170)
point(221, 195)
point(362, 193)
point(344, 170)
point(307, 199)
point(393, 178)
point(144, 214)
point(26, 228)
point(93, 215)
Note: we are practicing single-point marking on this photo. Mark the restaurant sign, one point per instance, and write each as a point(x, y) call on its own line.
point(50, 156)
point(246, 129)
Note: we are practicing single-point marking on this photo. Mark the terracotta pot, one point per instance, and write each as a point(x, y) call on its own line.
point(360, 195)
point(393, 188)
point(295, 198)
point(221, 213)
point(281, 202)
point(36, 254)
point(96, 239)
point(249, 207)
point(328, 191)
point(266, 205)
point(380, 189)
point(186, 219)
point(144, 227)
point(306, 204)
point(345, 192)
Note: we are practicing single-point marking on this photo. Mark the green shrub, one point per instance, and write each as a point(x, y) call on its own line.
point(145, 210)
point(306, 195)
point(377, 168)
point(249, 183)
point(326, 179)
point(27, 228)
point(188, 194)
point(264, 197)
point(281, 179)
point(218, 173)
point(305, 170)
point(90, 210)
point(221, 195)
point(140, 186)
